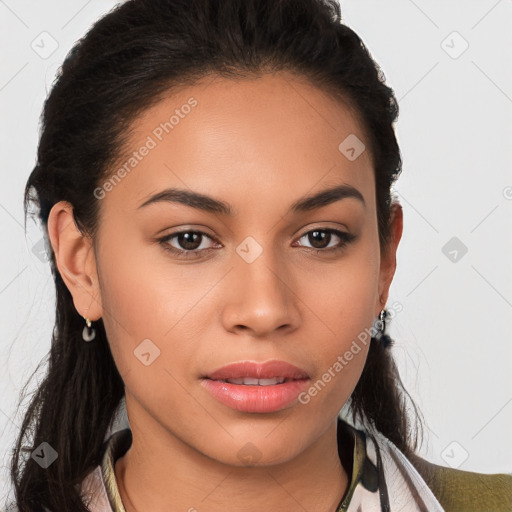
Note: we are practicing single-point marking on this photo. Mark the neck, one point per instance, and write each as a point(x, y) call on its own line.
point(150, 478)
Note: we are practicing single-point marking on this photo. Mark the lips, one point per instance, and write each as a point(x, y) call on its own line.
point(275, 369)
point(248, 386)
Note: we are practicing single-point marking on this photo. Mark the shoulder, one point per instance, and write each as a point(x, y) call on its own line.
point(466, 491)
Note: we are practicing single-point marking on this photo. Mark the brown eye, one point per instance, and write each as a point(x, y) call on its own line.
point(321, 238)
point(189, 240)
point(188, 243)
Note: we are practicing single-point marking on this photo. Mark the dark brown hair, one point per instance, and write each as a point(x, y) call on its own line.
point(138, 52)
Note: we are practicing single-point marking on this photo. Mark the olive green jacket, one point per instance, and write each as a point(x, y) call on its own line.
point(466, 491)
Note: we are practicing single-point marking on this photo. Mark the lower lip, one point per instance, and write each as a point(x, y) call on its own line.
point(255, 398)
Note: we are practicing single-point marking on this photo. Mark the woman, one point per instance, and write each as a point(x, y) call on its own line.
point(214, 180)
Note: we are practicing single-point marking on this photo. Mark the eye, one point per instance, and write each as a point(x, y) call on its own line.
point(190, 241)
point(320, 238)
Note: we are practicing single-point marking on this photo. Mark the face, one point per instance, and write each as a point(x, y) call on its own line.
point(183, 290)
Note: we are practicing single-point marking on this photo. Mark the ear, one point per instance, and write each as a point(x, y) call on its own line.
point(74, 257)
point(388, 255)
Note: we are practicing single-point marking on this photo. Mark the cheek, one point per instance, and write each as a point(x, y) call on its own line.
point(342, 294)
point(340, 356)
point(342, 298)
point(145, 318)
point(147, 297)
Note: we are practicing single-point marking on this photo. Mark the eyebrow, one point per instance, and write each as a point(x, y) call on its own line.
point(212, 205)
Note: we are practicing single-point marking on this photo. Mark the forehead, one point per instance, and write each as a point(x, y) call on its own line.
point(275, 135)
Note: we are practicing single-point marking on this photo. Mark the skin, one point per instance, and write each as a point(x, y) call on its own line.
point(258, 145)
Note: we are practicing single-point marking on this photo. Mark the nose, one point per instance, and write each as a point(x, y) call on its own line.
point(262, 298)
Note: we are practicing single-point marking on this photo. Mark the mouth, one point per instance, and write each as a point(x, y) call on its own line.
point(256, 387)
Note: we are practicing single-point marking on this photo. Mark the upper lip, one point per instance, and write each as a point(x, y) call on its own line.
point(266, 370)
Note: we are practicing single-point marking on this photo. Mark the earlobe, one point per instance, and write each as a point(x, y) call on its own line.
point(74, 257)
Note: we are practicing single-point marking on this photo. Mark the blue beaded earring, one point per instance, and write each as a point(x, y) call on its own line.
point(382, 337)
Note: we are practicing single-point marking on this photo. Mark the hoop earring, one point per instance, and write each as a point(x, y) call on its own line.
point(88, 334)
point(381, 336)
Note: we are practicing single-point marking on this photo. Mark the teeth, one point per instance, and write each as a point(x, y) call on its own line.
point(250, 381)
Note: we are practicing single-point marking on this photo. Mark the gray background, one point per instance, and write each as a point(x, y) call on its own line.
point(449, 64)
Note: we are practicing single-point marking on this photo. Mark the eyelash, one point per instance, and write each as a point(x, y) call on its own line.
point(346, 238)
